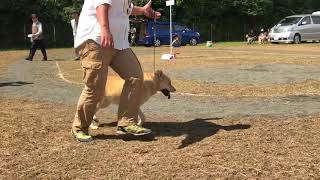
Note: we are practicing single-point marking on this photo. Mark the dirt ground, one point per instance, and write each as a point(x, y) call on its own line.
point(219, 71)
point(241, 112)
point(7, 58)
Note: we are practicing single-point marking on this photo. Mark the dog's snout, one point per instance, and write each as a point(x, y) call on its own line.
point(172, 89)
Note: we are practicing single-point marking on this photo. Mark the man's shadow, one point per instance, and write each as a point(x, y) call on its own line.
point(17, 83)
point(195, 130)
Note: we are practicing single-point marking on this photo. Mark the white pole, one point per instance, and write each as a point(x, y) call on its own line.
point(54, 23)
point(154, 41)
point(169, 56)
point(54, 34)
point(170, 30)
point(25, 34)
point(211, 32)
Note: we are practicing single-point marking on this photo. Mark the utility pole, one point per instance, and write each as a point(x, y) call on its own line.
point(170, 3)
point(170, 56)
point(54, 23)
point(211, 27)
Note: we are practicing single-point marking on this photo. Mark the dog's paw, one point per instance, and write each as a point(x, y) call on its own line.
point(93, 127)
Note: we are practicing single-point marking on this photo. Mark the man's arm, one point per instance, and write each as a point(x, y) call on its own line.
point(74, 28)
point(103, 19)
point(145, 10)
point(137, 11)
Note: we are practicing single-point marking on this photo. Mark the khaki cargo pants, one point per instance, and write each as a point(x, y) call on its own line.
point(95, 62)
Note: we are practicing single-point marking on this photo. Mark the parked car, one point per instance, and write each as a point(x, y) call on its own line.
point(297, 28)
point(146, 34)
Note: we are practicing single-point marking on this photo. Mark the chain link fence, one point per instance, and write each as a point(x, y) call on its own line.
point(14, 34)
point(59, 34)
point(228, 30)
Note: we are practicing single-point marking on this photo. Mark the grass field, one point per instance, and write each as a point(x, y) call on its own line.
point(240, 112)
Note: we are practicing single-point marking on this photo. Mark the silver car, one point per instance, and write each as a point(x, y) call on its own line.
point(297, 28)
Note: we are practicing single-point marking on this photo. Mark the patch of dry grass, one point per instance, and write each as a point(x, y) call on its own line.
point(308, 87)
point(312, 48)
point(37, 144)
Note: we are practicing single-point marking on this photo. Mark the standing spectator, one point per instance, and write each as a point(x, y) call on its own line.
point(176, 43)
point(74, 25)
point(37, 39)
point(133, 32)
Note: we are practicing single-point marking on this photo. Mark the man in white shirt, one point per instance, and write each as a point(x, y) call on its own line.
point(102, 41)
point(74, 24)
point(37, 39)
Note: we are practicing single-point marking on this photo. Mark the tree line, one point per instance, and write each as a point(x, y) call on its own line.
point(223, 20)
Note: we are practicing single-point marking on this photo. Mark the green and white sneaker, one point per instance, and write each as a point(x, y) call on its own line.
point(134, 130)
point(81, 136)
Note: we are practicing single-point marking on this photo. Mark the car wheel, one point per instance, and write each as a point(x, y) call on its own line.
point(157, 43)
point(193, 41)
point(297, 39)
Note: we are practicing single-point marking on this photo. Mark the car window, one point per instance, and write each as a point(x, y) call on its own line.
point(316, 19)
point(179, 27)
point(289, 21)
point(163, 27)
point(307, 20)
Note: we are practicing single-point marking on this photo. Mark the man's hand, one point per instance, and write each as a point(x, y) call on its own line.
point(149, 12)
point(106, 39)
point(103, 19)
point(34, 36)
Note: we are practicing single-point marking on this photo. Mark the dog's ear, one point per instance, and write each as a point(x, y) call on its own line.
point(158, 74)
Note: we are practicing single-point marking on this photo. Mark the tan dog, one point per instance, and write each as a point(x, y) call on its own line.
point(153, 82)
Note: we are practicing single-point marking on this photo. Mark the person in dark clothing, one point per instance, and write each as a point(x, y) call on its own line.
point(37, 39)
point(250, 37)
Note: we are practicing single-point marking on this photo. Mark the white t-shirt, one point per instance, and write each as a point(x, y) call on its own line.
point(89, 28)
point(37, 31)
point(74, 25)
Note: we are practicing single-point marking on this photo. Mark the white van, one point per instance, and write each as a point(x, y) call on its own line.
point(297, 28)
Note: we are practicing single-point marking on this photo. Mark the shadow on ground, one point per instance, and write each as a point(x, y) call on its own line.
point(195, 130)
point(17, 83)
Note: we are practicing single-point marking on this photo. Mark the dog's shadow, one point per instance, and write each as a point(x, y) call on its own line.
point(16, 83)
point(194, 131)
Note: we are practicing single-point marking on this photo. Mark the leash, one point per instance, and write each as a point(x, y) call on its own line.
point(154, 41)
point(155, 36)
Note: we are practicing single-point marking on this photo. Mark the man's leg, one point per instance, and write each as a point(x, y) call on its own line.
point(33, 49)
point(77, 56)
point(95, 62)
point(43, 49)
point(127, 65)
